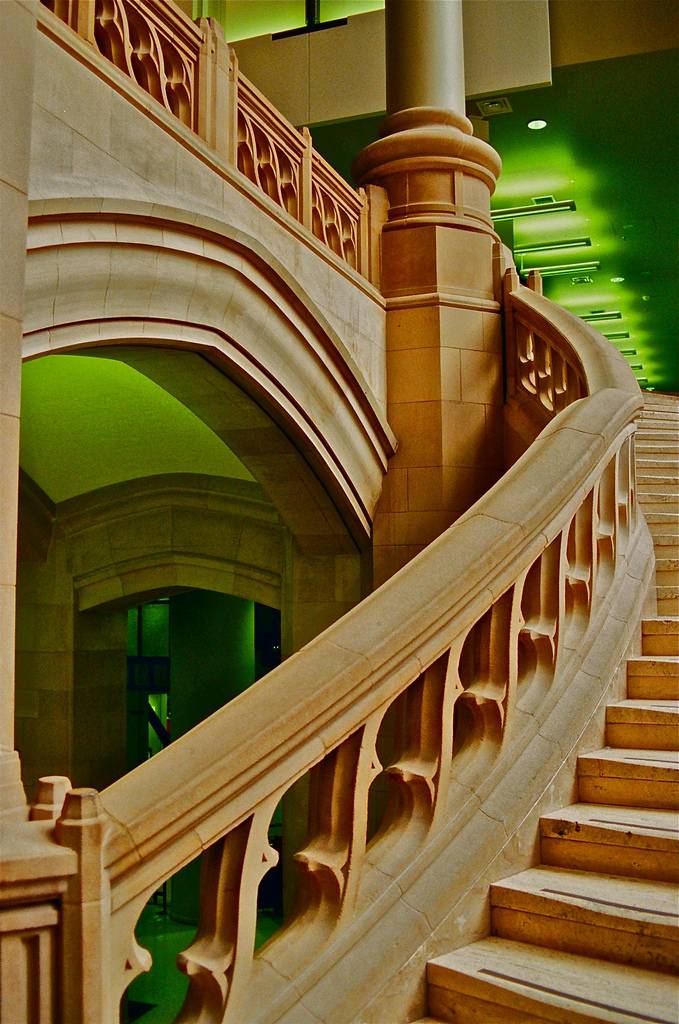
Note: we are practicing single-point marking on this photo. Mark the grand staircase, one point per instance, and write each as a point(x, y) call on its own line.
point(591, 933)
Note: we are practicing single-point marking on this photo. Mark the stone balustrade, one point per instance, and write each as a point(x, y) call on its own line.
point(188, 68)
point(412, 722)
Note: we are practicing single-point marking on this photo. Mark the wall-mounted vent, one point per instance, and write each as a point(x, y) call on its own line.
point(582, 279)
point(543, 200)
point(495, 105)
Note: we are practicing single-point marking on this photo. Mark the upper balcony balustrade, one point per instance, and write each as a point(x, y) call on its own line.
point(188, 69)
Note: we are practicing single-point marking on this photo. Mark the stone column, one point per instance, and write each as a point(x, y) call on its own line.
point(17, 54)
point(444, 344)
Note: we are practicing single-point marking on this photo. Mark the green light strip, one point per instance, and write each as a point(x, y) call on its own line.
point(564, 268)
point(510, 213)
point(567, 243)
point(609, 314)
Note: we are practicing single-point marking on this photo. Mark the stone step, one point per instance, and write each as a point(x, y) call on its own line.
point(665, 518)
point(628, 920)
point(666, 545)
point(649, 449)
point(629, 777)
point(643, 724)
point(667, 571)
point(655, 676)
point(648, 483)
point(667, 600)
point(638, 842)
point(663, 463)
point(658, 501)
point(659, 638)
point(665, 542)
point(497, 981)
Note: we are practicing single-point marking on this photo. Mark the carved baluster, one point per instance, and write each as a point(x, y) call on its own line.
point(82, 19)
point(330, 861)
point(605, 528)
point(526, 358)
point(541, 605)
point(420, 768)
point(112, 35)
point(318, 225)
point(544, 373)
point(623, 475)
point(632, 497)
point(246, 150)
point(219, 961)
point(487, 672)
point(579, 573)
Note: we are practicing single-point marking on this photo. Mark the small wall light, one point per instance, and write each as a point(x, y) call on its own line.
point(537, 124)
point(617, 280)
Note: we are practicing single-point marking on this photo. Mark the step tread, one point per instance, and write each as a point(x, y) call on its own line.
point(653, 665)
point(647, 828)
point(661, 624)
point(590, 897)
point(518, 974)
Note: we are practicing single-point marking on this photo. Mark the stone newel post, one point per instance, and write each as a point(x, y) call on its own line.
point(444, 344)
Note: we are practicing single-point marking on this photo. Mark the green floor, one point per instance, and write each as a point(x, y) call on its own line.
point(156, 997)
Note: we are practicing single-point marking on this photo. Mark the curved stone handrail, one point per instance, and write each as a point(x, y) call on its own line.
point(483, 646)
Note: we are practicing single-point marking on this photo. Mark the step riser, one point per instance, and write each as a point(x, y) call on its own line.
point(628, 792)
point(601, 941)
point(668, 606)
point(653, 687)
point(469, 1009)
point(656, 865)
point(640, 736)
point(660, 646)
point(655, 503)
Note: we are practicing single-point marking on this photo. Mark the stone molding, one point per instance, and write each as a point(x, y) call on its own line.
point(253, 569)
point(243, 310)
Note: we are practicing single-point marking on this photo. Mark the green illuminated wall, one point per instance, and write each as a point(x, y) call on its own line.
point(88, 422)
point(608, 146)
point(243, 19)
point(212, 660)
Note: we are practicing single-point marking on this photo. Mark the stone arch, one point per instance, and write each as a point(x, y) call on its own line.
point(206, 313)
point(84, 562)
point(133, 277)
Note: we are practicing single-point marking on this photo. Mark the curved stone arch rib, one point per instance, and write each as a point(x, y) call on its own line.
point(173, 533)
point(219, 293)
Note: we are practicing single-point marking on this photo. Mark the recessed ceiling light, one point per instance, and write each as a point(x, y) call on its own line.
point(537, 124)
point(617, 280)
